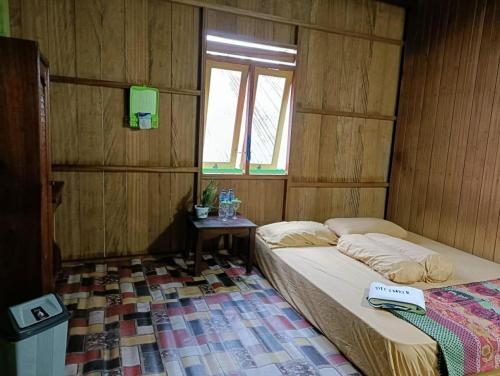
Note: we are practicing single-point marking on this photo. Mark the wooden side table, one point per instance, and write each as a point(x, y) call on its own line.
point(212, 227)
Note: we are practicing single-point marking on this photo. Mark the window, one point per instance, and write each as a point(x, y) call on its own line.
point(224, 113)
point(247, 107)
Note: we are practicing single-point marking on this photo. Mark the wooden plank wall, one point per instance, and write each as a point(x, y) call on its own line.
point(347, 78)
point(445, 179)
point(106, 210)
point(126, 192)
point(345, 109)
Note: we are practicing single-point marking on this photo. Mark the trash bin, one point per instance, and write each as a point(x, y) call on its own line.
point(33, 338)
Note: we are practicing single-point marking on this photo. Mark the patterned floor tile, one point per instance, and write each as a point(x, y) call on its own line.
point(150, 316)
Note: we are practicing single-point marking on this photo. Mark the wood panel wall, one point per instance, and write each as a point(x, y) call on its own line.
point(262, 199)
point(446, 167)
point(96, 49)
point(345, 111)
point(127, 192)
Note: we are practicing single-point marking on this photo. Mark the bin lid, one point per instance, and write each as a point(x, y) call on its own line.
point(27, 319)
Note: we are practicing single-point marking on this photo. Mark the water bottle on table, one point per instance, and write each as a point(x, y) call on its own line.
point(230, 206)
point(222, 203)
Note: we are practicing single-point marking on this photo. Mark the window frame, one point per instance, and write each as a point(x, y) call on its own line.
point(244, 69)
point(246, 99)
point(288, 76)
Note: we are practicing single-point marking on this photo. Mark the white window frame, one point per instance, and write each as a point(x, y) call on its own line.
point(288, 75)
point(243, 68)
point(251, 70)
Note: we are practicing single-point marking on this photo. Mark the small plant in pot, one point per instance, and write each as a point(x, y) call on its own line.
point(208, 197)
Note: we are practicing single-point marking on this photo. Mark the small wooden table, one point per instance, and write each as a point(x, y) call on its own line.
point(212, 227)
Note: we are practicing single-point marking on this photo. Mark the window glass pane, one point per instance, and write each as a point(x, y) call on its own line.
point(240, 156)
point(265, 120)
point(283, 153)
point(221, 115)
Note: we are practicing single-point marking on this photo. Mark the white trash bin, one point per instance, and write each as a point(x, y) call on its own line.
point(33, 338)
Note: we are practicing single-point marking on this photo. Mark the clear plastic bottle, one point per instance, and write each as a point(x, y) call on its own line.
point(230, 195)
point(222, 200)
point(229, 213)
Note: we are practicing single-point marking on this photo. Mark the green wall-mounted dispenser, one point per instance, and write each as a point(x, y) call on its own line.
point(4, 18)
point(143, 107)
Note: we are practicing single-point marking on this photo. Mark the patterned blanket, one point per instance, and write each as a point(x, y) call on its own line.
point(465, 322)
point(150, 316)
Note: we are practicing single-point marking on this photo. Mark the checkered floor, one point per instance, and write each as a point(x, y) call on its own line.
point(151, 317)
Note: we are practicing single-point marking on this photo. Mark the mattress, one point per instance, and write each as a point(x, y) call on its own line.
point(330, 290)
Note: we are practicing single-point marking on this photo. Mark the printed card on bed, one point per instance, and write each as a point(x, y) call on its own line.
point(401, 298)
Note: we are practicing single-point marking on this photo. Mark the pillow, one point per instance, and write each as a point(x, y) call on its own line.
point(297, 234)
point(345, 226)
point(390, 263)
point(437, 267)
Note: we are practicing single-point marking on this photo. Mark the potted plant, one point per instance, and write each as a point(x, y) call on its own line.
point(208, 197)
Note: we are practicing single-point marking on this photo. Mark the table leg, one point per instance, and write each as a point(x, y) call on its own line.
point(188, 243)
point(234, 240)
point(251, 249)
point(197, 260)
point(226, 241)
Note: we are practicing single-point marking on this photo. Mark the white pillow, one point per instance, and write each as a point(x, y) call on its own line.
point(346, 226)
point(297, 234)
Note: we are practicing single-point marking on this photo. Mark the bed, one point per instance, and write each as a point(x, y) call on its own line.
point(329, 289)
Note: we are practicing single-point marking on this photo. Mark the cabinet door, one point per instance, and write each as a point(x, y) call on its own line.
point(25, 220)
point(46, 219)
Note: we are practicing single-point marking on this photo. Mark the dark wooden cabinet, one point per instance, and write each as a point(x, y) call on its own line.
point(26, 264)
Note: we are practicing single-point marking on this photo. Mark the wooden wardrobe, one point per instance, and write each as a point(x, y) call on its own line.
point(26, 260)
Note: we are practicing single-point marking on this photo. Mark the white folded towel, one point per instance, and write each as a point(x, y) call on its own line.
point(401, 298)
